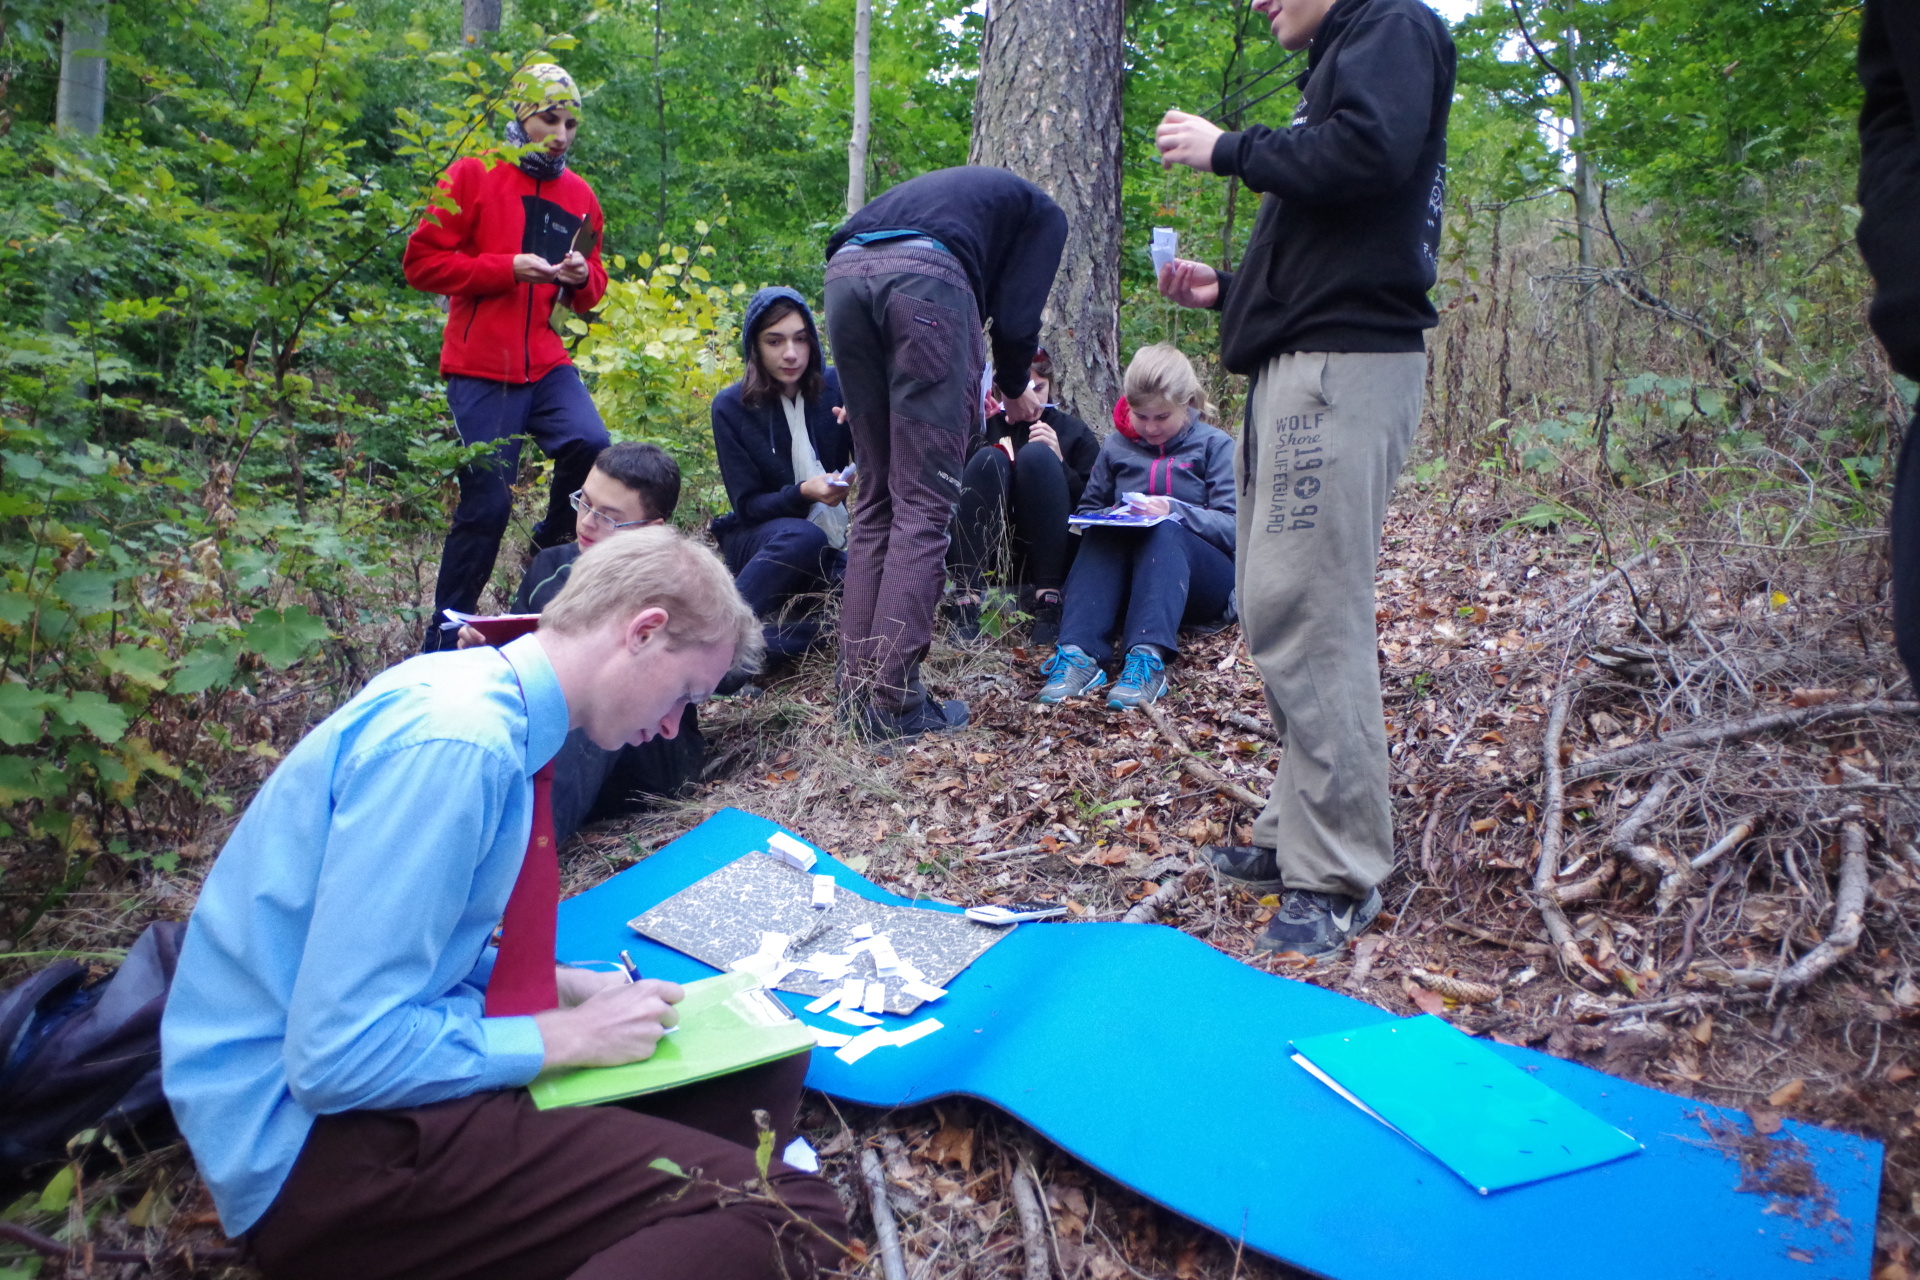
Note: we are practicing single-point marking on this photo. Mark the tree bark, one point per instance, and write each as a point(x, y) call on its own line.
point(862, 106)
point(80, 106)
point(479, 17)
point(1048, 108)
point(1586, 212)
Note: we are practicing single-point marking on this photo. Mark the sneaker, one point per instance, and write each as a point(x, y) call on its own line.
point(1045, 631)
point(930, 715)
point(1070, 672)
point(1317, 924)
point(963, 617)
point(1142, 680)
point(1250, 866)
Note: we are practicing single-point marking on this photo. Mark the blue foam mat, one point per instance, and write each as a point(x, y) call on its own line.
point(1164, 1064)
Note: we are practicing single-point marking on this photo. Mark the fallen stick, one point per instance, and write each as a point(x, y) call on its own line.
point(1148, 909)
point(1252, 724)
point(1728, 730)
point(1580, 602)
point(73, 1253)
point(1734, 838)
point(1579, 891)
point(1434, 810)
point(891, 1260)
point(1670, 872)
point(1524, 946)
point(1849, 918)
point(1033, 1226)
point(1196, 768)
point(1552, 836)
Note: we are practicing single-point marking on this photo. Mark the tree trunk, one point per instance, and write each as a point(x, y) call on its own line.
point(479, 17)
point(1048, 108)
point(862, 107)
point(80, 106)
point(1586, 211)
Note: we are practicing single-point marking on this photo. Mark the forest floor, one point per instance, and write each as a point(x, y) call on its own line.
point(1728, 804)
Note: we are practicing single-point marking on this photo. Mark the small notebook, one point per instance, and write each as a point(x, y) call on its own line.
point(727, 1024)
point(1461, 1103)
point(495, 629)
point(1120, 517)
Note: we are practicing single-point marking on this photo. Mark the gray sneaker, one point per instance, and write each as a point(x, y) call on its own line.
point(1070, 672)
point(1248, 865)
point(1317, 924)
point(1142, 680)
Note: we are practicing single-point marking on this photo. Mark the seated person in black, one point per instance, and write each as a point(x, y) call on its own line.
point(782, 449)
point(629, 487)
point(1028, 476)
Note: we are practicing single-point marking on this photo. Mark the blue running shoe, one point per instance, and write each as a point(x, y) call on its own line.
point(1142, 681)
point(1070, 672)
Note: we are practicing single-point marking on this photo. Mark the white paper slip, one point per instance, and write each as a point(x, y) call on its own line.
point(876, 999)
point(790, 851)
point(1166, 247)
point(824, 1003)
point(863, 1045)
point(921, 990)
point(771, 978)
point(909, 970)
point(828, 1039)
point(851, 993)
point(919, 1030)
point(885, 959)
point(822, 892)
point(854, 1018)
point(860, 931)
point(799, 1155)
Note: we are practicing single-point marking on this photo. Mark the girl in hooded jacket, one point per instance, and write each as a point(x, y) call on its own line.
point(1132, 588)
point(784, 456)
point(513, 240)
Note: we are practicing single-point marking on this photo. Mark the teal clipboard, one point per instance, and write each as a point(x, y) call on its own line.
point(1472, 1110)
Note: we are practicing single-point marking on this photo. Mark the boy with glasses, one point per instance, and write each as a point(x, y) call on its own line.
point(631, 486)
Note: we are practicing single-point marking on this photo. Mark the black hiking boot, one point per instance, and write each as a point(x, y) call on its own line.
point(1317, 924)
point(1247, 865)
point(931, 715)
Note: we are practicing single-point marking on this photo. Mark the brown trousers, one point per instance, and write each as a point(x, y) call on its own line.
point(907, 344)
point(489, 1186)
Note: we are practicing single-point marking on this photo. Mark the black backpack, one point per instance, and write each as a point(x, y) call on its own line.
point(78, 1055)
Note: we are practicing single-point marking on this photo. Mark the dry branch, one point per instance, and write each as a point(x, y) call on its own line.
point(1849, 911)
point(1033, 1226)
point(1579, 891)
point(1671, 873)
point(1580, 602)
point(892, 1261)
point(1734, 838)
point(1196, 768)
point(1455, 988)
point(1148, 909)
point(1435, 807)
point(1252, 724)
point(1727, 731)
point(1552, 835)
point(1524, 946)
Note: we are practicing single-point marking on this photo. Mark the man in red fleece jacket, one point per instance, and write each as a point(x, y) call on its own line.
point(518, 238)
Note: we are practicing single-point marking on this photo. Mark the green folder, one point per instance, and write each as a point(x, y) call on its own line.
point(727, 1023)
point(1461, 1103)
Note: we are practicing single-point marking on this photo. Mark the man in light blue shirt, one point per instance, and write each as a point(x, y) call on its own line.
point(330, 993)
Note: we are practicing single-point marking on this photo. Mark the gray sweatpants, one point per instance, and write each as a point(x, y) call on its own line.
point(1330, 432)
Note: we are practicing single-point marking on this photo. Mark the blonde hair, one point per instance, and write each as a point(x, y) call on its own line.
point(1160, 372)
point(657, 567)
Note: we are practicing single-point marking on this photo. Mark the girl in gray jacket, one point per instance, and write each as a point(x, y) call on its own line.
point(1136, 584)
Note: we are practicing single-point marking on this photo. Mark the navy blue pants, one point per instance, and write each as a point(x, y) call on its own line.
point(1031, 495)
point(1905, 531)
point(559, 414)
point(1145, 583)
point(772, 563)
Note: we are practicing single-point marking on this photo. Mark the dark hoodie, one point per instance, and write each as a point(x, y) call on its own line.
point(1346, 242)
point(1889, 231)
point(754, 446)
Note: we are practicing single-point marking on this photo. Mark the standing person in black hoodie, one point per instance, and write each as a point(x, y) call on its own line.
point(910, 280)
point(1890, 242)
point(1327, 315)
point(1029, 476)
point(783, 451)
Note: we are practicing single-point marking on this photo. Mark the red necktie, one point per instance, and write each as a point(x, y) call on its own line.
point(523, 980)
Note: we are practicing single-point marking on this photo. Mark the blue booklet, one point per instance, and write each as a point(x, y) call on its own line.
point(1461, 1103)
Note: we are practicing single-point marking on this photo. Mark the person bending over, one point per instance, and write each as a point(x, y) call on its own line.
point(782, 450)
point(516, 239)
point(1141, 584)
point(344, 1051)
point(1028, 476)
point(631, 486)
point(1327, 314)
point(910, 279)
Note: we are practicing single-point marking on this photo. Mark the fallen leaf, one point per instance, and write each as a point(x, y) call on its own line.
point(1787, 1094)
point(1483, 825)
point(952, 1145)
point(1126, 767)
point(1075, 908)
point(1764, 1122)
point(1800, 1255)
point(1899, 1071)
point(1427, 1001)
point(1814, 697)
point(1702, 1031)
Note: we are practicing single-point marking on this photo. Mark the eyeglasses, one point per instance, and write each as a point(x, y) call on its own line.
point(578, 499)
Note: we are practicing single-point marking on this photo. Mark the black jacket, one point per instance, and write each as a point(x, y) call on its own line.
point(1007, 234)
point(1078, 445)
point(1348, 236)
point(1889, 231)
point(755, 448)
point(545, 576)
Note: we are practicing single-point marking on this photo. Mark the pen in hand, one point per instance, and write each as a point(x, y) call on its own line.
point(632, 969)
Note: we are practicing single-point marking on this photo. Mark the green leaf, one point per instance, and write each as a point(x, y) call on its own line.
point(138, 664)
point(89, 591)
point(209, 667)
point(665, 1165)
point(95, 713)
point(56, 1194)
point(15, 608)
point(283, 637)
point(19, 782)
point(763, 1152)
point(22, 715)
